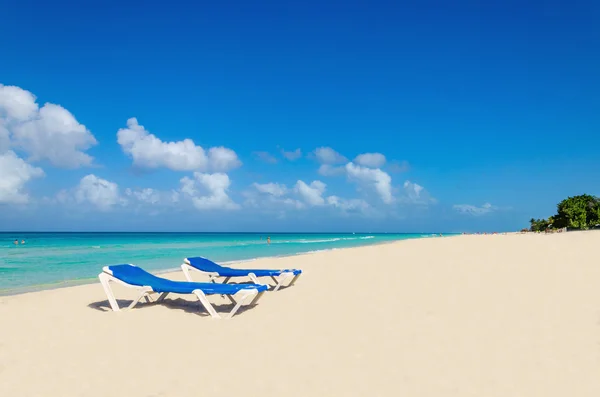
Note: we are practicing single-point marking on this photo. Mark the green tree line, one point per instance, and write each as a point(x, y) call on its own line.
point(577, 212)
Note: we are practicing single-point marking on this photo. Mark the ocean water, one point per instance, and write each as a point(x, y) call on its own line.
point(49, 260)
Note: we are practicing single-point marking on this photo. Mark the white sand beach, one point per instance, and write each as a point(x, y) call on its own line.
point(493, 316)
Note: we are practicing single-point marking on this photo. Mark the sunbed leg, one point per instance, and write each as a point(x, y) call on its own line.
point(139, 298)
point(186, 272)
point(214, 280)
point(253, 278)
point(202, 298)
point(245, 296)
point(162, 297)
point(231, 299)
point(294, 279)
point(284, 276)
point(104, 280)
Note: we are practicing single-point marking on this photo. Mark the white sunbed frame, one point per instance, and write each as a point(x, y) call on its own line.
point(107, 276)
point(214, 276)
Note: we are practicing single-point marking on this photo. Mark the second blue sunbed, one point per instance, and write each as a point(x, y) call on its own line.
point(134, 277)
point(214, 271)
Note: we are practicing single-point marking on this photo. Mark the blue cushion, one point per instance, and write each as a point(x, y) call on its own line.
point(134, 275)
point(206, 265)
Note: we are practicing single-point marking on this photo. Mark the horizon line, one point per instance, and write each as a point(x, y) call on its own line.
point(236, 232)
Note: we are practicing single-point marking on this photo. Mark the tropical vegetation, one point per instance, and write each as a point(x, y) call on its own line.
point(578, 212)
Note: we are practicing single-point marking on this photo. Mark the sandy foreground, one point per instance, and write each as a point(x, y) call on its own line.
point(515, 315)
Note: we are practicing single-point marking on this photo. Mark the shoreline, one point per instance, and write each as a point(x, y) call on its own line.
point(88, 281)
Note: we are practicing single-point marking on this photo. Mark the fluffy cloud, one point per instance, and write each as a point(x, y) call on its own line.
point(274, 189)
point(99, 192)
point(331, 170)
point(371, 160)
point(474, 210)
point(148, 151)
point(413, 190)
point(208, 191)
point(106, 195)
point(4, 138)
point(222, 159)
point(265, 157)
point(271, 196)
point(275, 196)
point(17, 103)
point(326, 155)
point(413, 193)
point(293, 155)
point(203, 191)
point(311, 194)
point(48, 133)
point(147, 195)
point(14, 174)
point(377, 179)
point(351, 205)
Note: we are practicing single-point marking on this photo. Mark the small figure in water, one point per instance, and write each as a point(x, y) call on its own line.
point(16, 242)
point(268, 240)
point(22, 241)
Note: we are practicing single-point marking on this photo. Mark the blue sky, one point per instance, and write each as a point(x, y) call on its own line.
point(486, 114)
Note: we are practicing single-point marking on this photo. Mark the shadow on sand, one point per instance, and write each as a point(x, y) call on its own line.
point(189, 306)
point(185, 305)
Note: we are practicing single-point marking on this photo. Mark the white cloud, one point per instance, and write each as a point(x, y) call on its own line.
point(413, 193)
point(474, 210)
point(265, 157)
point(222, 159)
point(331, 170)
point(48, 133)
point(275, 197)
point(149, 151)
point(14, 174)
point(371, 160)
point(209, 191)
point(379, 180)
point(151, 200)
point(4, 138)
point(290, 202)
point(17, 103)
point(293, 155)
point(311, 194)
point(348, 205)
point(326, 155)
point(99, 192)
point(274, 189)
point(413, 190)
point(270, 196)
point(188, 186)
point(147, 195)
point(204, 191)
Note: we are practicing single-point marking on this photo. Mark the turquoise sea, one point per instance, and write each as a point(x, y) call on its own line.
point(49, 260)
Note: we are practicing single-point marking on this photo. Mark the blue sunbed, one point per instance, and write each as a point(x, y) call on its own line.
point(214, 271)
point(134, 277)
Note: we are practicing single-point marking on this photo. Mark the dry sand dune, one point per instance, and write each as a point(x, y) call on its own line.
point(515, 315)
